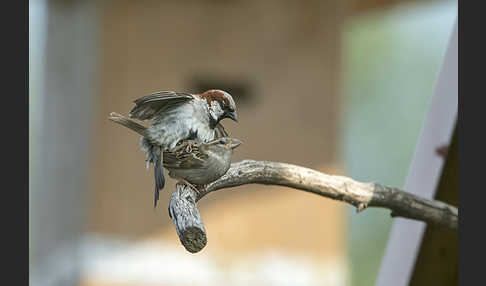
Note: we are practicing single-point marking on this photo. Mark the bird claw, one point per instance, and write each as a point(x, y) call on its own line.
point(193, 187)
point(189, 146)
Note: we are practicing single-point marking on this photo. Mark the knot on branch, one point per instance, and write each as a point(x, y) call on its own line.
point(361, 207)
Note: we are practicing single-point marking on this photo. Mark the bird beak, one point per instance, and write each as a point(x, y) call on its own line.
point(233, 116)
point(234, 143)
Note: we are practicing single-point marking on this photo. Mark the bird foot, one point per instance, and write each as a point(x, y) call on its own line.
point(189, 146)
point(182, 181)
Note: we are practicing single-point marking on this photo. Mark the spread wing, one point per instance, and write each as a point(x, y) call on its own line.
point(148, 106)
point(183, 158)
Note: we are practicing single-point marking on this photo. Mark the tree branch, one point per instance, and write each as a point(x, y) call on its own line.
point(186, 218)
point(361, 195)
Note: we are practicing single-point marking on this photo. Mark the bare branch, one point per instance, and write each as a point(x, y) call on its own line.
point(360, 195)
point(190, 228)
point(187, 221)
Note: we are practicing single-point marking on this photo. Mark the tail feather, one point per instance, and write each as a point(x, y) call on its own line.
point(154, 153)
point(159, 175)
point(122, 120)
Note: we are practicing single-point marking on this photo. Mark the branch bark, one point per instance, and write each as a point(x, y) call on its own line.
point(187, 220)
point(361, 195)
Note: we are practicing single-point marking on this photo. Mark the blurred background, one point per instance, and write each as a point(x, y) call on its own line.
point(338, 86)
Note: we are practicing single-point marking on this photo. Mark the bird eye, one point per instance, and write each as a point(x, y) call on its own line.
point(222, 142)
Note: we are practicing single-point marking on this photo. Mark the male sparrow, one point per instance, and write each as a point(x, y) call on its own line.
point(180, 116)
point(200, 163)
point(178, 150)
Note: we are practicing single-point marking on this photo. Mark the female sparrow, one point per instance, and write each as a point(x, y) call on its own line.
point(200, 163)
point(180, 116)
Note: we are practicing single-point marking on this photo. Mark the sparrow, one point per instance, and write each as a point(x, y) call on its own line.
point(179, 116)
point(183, 149)
point(200, 163)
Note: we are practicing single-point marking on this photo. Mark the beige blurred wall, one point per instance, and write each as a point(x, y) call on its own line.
point(287, 51)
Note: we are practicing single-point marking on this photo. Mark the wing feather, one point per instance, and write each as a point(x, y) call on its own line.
point(182, 158)
point(148, 106)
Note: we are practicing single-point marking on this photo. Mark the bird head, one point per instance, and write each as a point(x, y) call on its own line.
point(221, 105)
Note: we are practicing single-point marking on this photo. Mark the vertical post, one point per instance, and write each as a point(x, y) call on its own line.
point(61, 142)
point(425, 170)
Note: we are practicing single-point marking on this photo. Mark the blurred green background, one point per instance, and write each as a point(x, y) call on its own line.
point(391, 60)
